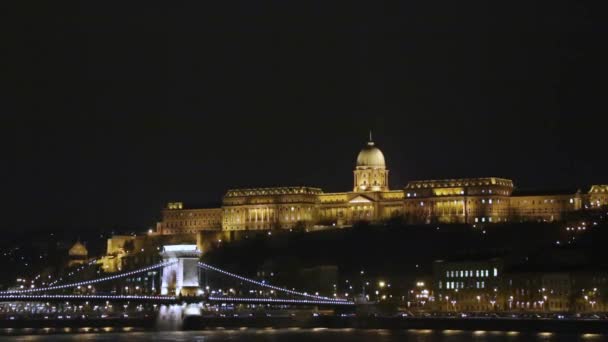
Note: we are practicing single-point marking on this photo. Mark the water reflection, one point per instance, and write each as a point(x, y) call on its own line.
point(296, 335)
point(170, 317)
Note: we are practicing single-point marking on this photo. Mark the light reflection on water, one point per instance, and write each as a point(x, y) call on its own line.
point(290, 335)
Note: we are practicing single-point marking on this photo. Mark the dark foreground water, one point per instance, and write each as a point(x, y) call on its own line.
point(317, 334)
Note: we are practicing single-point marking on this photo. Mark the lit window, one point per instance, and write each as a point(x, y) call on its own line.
point(483, 219)
point(421, 204)
point(461, 274)
point(572, 200)
point(487, 273)
point(477, 273)
point(489, 219)
point(408, 194)
point(447, 274)
point(477, 219)
point(483, 200)
point(466, 273)
point(490, 201)
point(495, 272)
point(483, 284)
point(440, 284)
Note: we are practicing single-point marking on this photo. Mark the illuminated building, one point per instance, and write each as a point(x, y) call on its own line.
point(468, 285)
point(487, 285)
point(486, 200)
point(78, 254)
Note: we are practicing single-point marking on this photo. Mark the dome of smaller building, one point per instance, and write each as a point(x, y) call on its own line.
point(371, 156)
point(78, 250)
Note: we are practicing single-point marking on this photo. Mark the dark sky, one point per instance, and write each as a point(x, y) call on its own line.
point(110, 109)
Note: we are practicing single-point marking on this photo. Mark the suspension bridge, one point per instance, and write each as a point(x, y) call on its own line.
point(180, 274)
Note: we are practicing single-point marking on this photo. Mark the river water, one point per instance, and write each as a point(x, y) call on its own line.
point(295, 335)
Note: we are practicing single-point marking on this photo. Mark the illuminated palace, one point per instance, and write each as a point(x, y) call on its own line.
point(469, 200)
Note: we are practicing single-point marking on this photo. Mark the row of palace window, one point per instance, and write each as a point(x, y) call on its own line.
point(471, 273)
point(190, 214)
point(453, 285)
point(545, 201)
point(191, 223)
point(375, 175)
point(489, 219)
point(482, 201)
point(497, 200)
point(270, 218)
point(461, 192)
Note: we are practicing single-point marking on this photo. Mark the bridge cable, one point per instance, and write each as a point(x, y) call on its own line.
point(212, 268)
point(281, 301)
point(93, 281)
point(92, 297)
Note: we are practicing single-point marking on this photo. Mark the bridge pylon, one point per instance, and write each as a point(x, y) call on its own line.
point(181, 276)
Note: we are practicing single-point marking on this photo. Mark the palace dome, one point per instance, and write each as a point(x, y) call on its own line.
point(371, 156)
point(78, 250)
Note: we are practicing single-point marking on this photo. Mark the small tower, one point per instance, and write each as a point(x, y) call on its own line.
point(371, 173)
point(78, 254)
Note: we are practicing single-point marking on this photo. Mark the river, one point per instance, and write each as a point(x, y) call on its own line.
point(295, 335)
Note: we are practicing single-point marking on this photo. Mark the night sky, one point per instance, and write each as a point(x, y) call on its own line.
point(110, 109)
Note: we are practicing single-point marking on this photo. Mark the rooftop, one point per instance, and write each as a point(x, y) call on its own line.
point(458, 182)
point(290, 190)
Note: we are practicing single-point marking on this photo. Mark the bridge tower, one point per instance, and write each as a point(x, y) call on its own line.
point(181, 276)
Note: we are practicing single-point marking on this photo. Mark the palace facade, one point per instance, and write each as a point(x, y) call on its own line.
point(469, 200)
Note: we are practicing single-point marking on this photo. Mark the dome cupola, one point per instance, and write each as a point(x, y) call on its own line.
point(78, 254)
point(371, 156)
point(78, 250)
point(371, 173)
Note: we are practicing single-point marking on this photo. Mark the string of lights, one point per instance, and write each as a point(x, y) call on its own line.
point(263, 284)
point(73, 273)
point(93, 281)
point(75, 297)
point(281, 301)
